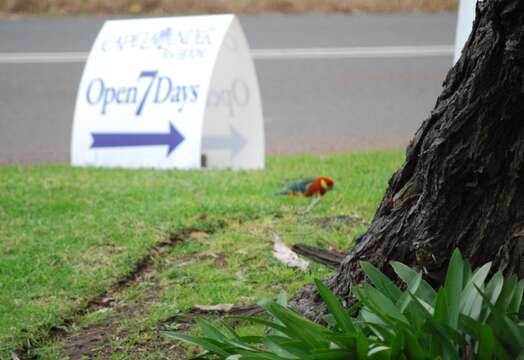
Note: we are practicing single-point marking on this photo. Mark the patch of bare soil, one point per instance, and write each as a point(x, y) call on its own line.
point(183, 322)
point(99, 338)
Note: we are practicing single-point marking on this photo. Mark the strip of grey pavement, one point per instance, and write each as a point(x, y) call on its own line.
point(260, 54)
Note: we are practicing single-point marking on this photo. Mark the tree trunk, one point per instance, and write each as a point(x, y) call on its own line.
point(462, 184)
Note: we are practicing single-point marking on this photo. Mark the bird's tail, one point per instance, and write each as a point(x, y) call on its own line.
point(288, 192)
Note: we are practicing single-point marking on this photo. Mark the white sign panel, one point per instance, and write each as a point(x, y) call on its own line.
point(466, 15)
point(163, 92)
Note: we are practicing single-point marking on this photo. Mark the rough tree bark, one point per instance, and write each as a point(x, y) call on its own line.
point(462, 183)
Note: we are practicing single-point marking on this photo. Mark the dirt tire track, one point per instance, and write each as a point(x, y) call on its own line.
point(95, 339)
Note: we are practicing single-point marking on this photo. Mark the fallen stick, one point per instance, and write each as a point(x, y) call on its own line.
point(285, 255)
point(326, 257)
point(237, 310)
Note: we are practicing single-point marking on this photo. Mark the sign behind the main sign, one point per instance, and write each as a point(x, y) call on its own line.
point(233, 134)
point(466, 15)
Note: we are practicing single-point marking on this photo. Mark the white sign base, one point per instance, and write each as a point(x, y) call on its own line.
point(167, 92)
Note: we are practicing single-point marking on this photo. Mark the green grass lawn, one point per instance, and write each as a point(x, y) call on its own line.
point(67, 235)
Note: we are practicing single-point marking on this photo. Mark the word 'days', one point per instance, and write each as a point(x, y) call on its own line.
point(150, 89)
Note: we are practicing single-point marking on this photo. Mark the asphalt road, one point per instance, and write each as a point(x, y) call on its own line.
point(351, 82)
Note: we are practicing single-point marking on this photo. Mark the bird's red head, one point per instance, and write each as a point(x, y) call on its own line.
point(326, 183)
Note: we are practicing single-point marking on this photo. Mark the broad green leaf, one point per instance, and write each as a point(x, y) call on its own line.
point(251, 339)
point(441, 307)
point(330, 320)
point(286, 348)
point(368, 316)
point(380, 304)
point(504, 325)
point(208, 344)
point(416, 319)
point(384, 333)
point(413, 286)
point(476, 309)
point(515, 304)
point(467, 273)
point(428, 308)
point(381, 281)
point(332, 354)
point(413, 348)
point(234, 357)
point(309, 332)
point(243, 343)
point(380, 352)
point(453, 288)
point(473, 327)
point(445, 339)
point(362, 346)
point(425, 291)
point(492, 291)
point(471, 301)
point(281, 300)
point(494, 287)
point(344, 322)
point(259, 355)
point(210, 331)
point(486, 343)
point(232, 333)
point(439, 340)
point(398, 344)
point(506, 294)
point(342, 341)
point(272, 325)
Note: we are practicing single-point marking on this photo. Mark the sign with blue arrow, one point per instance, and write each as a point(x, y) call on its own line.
point(172, 139)
point(190, 90)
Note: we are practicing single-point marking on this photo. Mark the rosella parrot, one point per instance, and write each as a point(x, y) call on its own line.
point(311, 186)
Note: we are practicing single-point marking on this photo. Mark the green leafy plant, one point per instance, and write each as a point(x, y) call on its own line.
point(467, 318)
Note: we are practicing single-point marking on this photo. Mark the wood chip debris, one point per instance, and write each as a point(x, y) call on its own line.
point(218, 307)
point(230, 309)
point(285, 255)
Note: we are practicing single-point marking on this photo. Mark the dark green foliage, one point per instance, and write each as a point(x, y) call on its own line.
point(467, 318)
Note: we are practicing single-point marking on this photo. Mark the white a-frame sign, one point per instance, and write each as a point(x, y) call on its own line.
point(168, 93)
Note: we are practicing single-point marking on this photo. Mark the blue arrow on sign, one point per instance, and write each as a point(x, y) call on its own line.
point(107, 140)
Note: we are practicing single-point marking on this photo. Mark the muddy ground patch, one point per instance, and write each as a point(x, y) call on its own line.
point(102, 328)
